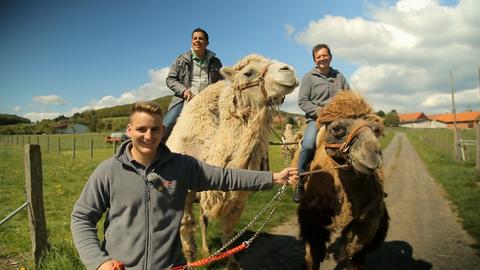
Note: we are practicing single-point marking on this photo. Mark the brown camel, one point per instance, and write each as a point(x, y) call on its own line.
point(342, 214)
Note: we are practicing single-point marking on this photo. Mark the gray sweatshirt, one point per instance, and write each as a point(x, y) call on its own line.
point(316, 89)
point(144, 206)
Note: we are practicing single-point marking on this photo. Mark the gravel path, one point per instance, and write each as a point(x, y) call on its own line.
point(424, 232)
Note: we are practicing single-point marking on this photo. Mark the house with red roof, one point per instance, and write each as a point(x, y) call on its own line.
point(418, 120)
point(462, 120)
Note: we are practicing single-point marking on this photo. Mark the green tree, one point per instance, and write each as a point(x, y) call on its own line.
point(391, 119)
point(380, 113)
point(10, 119)
point(60, 118)
point(100, 126)
point(45, 126)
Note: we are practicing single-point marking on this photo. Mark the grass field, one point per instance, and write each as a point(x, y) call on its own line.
point(64, 179)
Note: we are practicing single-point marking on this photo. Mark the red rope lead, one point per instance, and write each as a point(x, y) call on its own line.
point(211, 259)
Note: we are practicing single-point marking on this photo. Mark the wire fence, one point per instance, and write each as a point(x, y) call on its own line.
point(60, 144)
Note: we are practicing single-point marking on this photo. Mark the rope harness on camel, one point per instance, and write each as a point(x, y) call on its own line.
point(260, 81)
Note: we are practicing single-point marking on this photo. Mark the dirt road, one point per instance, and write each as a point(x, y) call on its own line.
point(424, 231)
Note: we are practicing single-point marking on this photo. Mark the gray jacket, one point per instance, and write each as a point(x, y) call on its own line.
point(144, 206)
point(179, 77)
point(316, 89)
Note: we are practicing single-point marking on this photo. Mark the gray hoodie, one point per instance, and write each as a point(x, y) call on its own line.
point(144, 206)
point(316, 90)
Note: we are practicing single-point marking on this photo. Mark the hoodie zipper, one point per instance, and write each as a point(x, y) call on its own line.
point(147, 222)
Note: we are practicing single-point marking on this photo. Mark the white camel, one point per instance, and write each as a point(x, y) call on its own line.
point(228, 124)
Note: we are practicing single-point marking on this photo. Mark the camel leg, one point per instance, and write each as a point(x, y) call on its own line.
point(312, 260)
point(308, 258)
point(203, 220)
point(187, 229)
point(358, 261)
point(229, 220)
point(382, 230)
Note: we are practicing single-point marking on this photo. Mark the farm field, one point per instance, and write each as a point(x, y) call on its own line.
point(64, 179)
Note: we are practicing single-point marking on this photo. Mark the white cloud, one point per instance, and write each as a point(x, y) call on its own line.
point(17, 109)
point(289, 29)
point(154, 89)
point(37, 116)
point(290, 104)
point(404, 53)
point(380, 78)
point(49, 100)
point(469, 98)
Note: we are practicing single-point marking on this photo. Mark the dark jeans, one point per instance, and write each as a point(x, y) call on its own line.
point(170, 119)
point(308, 146)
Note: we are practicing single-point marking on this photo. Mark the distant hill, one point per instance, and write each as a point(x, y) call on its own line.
point(102, 120)
point(124, 110)
point(11, 119)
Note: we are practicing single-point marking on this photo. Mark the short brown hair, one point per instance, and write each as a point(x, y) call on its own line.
point(147, 107)
point(319, 47)
point(198, 29)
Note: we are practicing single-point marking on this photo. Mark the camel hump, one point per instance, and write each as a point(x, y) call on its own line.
point(345, 104)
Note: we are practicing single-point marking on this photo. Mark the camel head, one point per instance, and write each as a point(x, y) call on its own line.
point(258, 81)
point(351, 132)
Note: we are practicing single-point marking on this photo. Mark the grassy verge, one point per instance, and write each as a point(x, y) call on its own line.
point(64, 179)
point(460, 179)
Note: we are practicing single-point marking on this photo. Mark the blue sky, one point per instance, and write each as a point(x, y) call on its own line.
point(61, 57)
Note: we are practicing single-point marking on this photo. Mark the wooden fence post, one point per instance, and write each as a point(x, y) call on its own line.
point(477, 163)
point(91, 149)
point(456, 146)
point(73, 149)
point(34, 193)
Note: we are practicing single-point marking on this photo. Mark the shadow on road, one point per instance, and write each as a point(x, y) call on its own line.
point(395, 255)
point(272, 251)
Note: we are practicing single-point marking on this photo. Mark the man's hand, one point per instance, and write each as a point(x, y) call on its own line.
point(288, 175)
point(112, 265)
point(187, 94)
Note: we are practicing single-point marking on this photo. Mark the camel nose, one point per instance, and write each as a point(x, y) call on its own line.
point(285, 68)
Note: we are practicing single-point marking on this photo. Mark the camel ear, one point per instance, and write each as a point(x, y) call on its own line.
point(228, 73)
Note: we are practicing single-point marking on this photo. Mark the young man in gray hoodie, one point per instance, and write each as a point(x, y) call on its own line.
point(142, 192)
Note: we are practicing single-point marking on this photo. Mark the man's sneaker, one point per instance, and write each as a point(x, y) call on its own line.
point(297, 196)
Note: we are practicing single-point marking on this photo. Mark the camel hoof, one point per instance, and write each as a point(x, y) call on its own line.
point(190, 256)
point(233, 266)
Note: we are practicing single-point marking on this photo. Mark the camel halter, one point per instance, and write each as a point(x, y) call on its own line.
point(260, 81)
point(345, 146)
point(351, 138)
